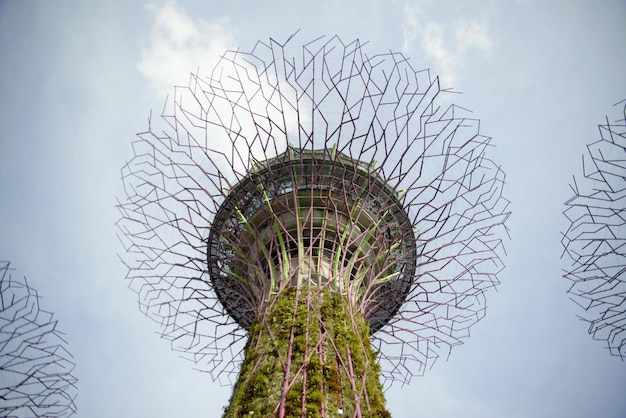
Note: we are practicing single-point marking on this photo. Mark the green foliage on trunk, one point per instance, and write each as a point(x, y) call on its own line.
point(313, 341)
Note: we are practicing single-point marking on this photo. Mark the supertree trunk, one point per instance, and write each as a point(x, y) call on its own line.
point(309, 355)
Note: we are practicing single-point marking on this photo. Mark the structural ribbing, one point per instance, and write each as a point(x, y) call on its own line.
point(322, 173)
point(595, 240)
point(35, 366)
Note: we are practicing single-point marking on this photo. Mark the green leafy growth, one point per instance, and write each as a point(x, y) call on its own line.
point(313, 339)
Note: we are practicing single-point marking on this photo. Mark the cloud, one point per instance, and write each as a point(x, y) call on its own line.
point(179, 45)
point(471, 34)
point(411, 25)
point(433, 42)
point(447, 44)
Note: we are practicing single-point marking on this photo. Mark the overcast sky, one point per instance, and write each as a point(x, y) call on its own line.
point(78, 80)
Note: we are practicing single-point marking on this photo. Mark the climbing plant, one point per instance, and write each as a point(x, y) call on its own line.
point(308, 356)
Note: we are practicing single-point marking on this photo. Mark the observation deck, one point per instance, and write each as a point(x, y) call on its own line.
point(312, 218)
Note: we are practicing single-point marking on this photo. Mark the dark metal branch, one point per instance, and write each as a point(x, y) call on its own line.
point(595, 240)
point(35, 366)
point(370, 139)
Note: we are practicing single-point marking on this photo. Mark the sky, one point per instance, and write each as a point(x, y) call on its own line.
point(79, 79)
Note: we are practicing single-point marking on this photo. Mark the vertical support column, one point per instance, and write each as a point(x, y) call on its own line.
point(308, 355)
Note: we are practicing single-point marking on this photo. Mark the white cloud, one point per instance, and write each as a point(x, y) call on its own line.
point(433, 42)
point(471, 34)
point(179, 45)
point(446, 44)
point(411, 25)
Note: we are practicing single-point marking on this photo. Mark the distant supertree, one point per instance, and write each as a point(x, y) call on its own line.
point(35, 366)
point(321, 202)
point(595, 240)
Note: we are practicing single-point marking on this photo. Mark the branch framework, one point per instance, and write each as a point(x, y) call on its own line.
point(595, 241)
point(325, 101)
point(35, 366)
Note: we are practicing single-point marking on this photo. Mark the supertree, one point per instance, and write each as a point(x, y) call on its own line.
point(319, 202)
point(35, 367)
point(595, 240)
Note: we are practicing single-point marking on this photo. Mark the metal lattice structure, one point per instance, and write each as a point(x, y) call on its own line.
point(35, 367)
point(317, 165)
point(595, 241)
